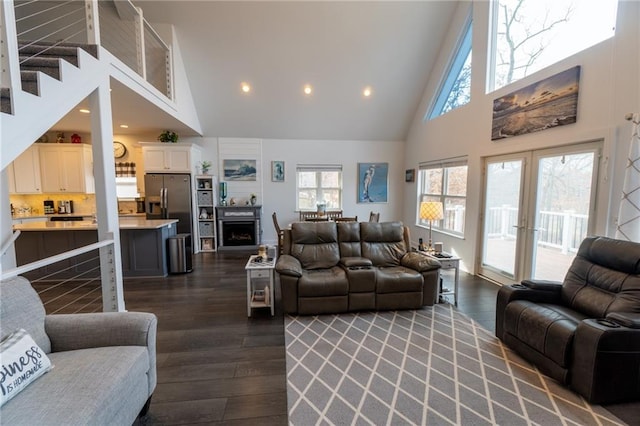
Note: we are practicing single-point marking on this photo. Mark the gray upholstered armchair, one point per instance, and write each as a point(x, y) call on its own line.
point(104, 363)
point(585, 331)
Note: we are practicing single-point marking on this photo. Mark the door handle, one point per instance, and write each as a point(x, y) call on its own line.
point(517, 227)
point(166, 202)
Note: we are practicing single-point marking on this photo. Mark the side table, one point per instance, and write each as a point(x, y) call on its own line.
point(258, 294)
point(448, 263)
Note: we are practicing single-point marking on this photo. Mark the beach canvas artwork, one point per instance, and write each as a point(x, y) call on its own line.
point(373, 182)
point(548, 103)
point(239, 169)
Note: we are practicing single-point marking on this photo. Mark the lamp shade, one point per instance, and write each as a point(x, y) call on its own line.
point(431, 210)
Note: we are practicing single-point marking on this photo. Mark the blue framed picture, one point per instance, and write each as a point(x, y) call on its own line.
point(373, 182)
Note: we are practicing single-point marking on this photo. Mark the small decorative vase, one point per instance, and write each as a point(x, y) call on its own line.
point(253, 201)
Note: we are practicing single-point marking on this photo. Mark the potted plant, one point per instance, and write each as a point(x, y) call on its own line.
point(205, 166)
point(168, 136)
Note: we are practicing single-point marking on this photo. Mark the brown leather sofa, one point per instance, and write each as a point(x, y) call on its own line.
point(329, 267)
point(585, 331)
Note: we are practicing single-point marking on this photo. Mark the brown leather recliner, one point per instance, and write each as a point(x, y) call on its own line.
point(585, 331)
point(329, 267)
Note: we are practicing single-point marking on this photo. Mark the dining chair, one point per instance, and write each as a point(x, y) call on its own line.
point(279, 232)
point(334, 214)
point(346, 219)
point(307, 215)
point(317, 219)
point(374, 217)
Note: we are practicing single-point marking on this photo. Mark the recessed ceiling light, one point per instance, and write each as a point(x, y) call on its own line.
point(367, 91)
point(307, 89)
point(245, 87)
point(84, 111)
point(124, 126)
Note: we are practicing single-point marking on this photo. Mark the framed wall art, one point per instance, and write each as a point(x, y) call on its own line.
point(373, 182)
point(410, 175)
point(548, 103)
point(239, 169)
point(277, 171)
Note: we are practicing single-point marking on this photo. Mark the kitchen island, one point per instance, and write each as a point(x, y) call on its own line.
point(143, 245)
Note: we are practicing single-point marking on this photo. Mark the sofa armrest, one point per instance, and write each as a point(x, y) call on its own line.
point(625, 319)
point(604, 354)
point(543, 285)
point(419, 262)
point(82, 331)
point(508, 293)
point(289, 265)
point(355, 261)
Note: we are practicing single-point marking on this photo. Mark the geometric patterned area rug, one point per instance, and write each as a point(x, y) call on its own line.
point(433, 366)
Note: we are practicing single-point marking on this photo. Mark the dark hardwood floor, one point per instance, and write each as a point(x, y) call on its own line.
point(216, 365)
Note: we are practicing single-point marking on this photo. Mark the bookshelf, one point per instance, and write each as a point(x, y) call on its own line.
point(205, 202)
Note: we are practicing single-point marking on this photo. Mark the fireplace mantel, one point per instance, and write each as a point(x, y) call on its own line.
point(239, 227)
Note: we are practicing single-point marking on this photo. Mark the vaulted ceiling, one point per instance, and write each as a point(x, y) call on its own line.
point(337, 47)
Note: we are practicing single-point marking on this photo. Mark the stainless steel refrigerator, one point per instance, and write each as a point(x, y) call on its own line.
point(168, 196)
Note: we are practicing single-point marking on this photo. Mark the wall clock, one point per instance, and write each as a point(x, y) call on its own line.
point(119, 150)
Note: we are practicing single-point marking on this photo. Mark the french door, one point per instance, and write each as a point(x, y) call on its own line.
point(538, 207)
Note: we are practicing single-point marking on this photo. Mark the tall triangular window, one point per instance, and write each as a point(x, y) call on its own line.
point(455, 90)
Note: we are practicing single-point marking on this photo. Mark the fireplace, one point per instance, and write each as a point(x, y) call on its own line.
point(238, 227)
point(238, 233)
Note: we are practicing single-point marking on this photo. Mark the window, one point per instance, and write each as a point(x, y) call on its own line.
point(456, 88)
point(126, 187)
point(529, 35)
point(319, 183)
point(445, 181)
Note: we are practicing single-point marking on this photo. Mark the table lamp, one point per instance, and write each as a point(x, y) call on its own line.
point(431, 210)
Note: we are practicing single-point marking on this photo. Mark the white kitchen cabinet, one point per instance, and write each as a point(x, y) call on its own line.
point(66, 168)
point(24, 173)
point(169, 158)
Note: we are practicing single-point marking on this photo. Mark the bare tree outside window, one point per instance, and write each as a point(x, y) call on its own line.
point(461, 90)
point(533, 34)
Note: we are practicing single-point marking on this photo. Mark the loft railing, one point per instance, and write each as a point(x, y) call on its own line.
point(73, 281)
point(116, 25)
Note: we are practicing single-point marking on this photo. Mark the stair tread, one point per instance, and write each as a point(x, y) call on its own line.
point(39, 61)
point(53, 48)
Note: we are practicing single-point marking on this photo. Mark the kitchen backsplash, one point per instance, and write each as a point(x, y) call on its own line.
point(83, 204)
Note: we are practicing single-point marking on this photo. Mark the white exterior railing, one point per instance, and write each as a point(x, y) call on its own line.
point(563, 230)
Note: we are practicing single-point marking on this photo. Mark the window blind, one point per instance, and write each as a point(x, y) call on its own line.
point(443, 163)
point(319, 167)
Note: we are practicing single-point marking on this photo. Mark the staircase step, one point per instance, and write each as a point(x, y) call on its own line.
point(49, 66)
point(5, 100)
point(32, 48)
point(30, 82)
point(70, 56)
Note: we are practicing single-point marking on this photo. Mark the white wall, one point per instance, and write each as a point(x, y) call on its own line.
point(280, 197)
point(609, 88)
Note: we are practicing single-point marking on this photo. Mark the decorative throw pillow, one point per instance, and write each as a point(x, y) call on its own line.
point(21, 362)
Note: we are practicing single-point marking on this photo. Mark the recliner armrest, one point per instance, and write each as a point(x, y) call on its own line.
point(289, 265)
point(355, 261)
point(508, 293)
point(419, 262)
point(625, 319)
point(543, 285)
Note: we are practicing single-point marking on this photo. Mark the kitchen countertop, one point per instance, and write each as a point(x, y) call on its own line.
point(128, 223)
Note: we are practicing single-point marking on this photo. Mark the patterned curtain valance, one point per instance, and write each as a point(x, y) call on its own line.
point(126, 169)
